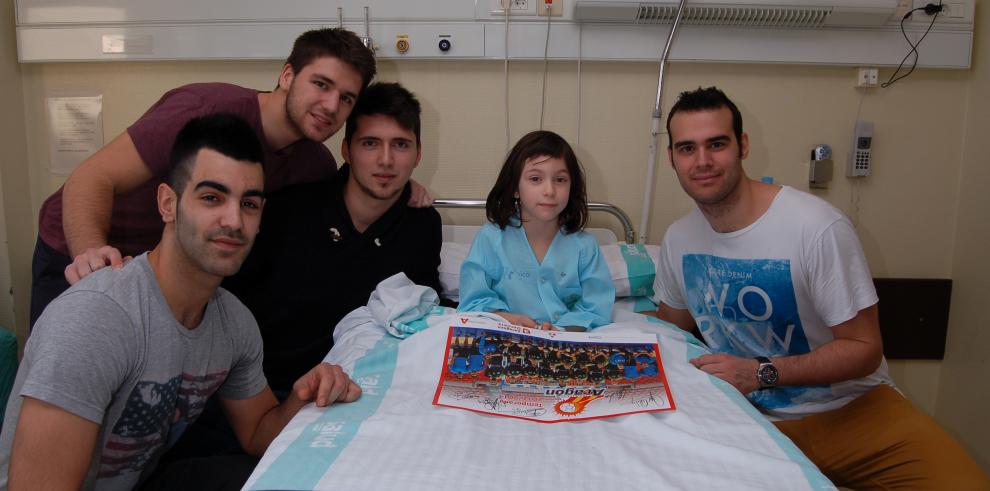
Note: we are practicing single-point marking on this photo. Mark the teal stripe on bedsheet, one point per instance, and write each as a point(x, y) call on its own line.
point(310, 456)
point(696, 348)
point(641, 269)
point(644, 304)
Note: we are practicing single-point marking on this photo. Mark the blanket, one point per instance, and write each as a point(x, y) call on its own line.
point(393, 437)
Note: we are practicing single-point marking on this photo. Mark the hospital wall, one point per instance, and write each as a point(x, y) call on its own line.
point(920, 215)
point(17, 218)
point(964, 393)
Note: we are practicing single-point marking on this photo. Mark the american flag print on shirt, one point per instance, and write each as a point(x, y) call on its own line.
point(155, 414)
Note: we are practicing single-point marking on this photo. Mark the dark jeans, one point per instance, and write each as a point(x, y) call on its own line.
point(218, 473)
point(47, 277)
point(207, 456)
point(209, 436)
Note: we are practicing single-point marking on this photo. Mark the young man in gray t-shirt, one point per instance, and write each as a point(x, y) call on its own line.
point(122, 362)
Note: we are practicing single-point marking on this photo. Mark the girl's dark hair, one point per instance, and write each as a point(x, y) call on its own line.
point(501, 204)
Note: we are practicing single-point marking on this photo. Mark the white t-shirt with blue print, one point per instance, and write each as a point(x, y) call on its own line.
point(774, 288)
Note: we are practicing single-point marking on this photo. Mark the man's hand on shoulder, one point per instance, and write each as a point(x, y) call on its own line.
point(326, 384)
point(88, 195)
point(93, 259)
point(740, 372)
point(419, 196)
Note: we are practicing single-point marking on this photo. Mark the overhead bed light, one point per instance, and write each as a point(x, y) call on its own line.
point(795, 14)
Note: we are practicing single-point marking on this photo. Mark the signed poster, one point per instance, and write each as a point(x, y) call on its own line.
point(551, 376)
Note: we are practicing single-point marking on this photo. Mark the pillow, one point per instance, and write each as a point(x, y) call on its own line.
point(452, 254)
point(632, 267)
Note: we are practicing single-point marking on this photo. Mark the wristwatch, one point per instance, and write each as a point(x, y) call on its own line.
point(766, 373)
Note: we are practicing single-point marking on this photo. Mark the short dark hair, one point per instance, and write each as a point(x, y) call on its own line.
point(702, 100)
point(387, 99)
point(224, 133)
point(338, 43)
point(501, 204)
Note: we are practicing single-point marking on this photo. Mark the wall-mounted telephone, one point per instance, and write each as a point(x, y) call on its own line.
point(859, 156)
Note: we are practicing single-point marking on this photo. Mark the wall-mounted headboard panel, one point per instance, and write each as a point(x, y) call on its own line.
point(835, 32)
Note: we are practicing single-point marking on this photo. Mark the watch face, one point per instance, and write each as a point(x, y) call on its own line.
point(768, 374)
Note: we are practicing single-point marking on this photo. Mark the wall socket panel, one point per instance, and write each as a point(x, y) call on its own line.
point(528, 7)
point(518, 4)
point(516, 7)
point(867, 77)
point(953, 11)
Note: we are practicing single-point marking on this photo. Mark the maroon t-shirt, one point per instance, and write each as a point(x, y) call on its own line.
point(135, 225)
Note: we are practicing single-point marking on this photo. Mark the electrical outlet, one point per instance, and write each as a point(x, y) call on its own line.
point(950, 9)
point(958, 10)
point(868, 77)
point(556, 8)
point(515, 6)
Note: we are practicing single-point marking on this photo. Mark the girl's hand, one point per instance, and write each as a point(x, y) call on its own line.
point(517, 319)
point(546, 326)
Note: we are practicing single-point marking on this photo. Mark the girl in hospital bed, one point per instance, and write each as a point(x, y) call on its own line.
point(533, 264)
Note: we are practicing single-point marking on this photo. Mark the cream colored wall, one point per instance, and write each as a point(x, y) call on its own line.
point(964, 401)
point(15, 222)
point(787, 110)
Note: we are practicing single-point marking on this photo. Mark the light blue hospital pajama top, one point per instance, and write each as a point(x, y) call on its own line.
point(572, 287)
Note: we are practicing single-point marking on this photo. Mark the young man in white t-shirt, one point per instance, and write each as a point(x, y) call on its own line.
point(777, 283)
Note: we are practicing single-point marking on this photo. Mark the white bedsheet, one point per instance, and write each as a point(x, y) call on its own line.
point(394, 438)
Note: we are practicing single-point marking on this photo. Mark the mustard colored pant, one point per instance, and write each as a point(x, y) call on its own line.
point(881, 441)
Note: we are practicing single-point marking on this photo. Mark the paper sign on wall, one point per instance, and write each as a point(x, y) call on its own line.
point(75, 130)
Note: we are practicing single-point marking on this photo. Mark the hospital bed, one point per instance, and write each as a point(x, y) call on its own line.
point(393, 437)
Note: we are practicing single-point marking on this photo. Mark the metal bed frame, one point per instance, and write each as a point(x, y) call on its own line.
point(627, 227)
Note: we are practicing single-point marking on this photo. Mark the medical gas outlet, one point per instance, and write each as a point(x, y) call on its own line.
point(820, 171)
point(402, 43)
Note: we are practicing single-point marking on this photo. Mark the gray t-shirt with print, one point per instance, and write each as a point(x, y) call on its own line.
point(109, 350)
